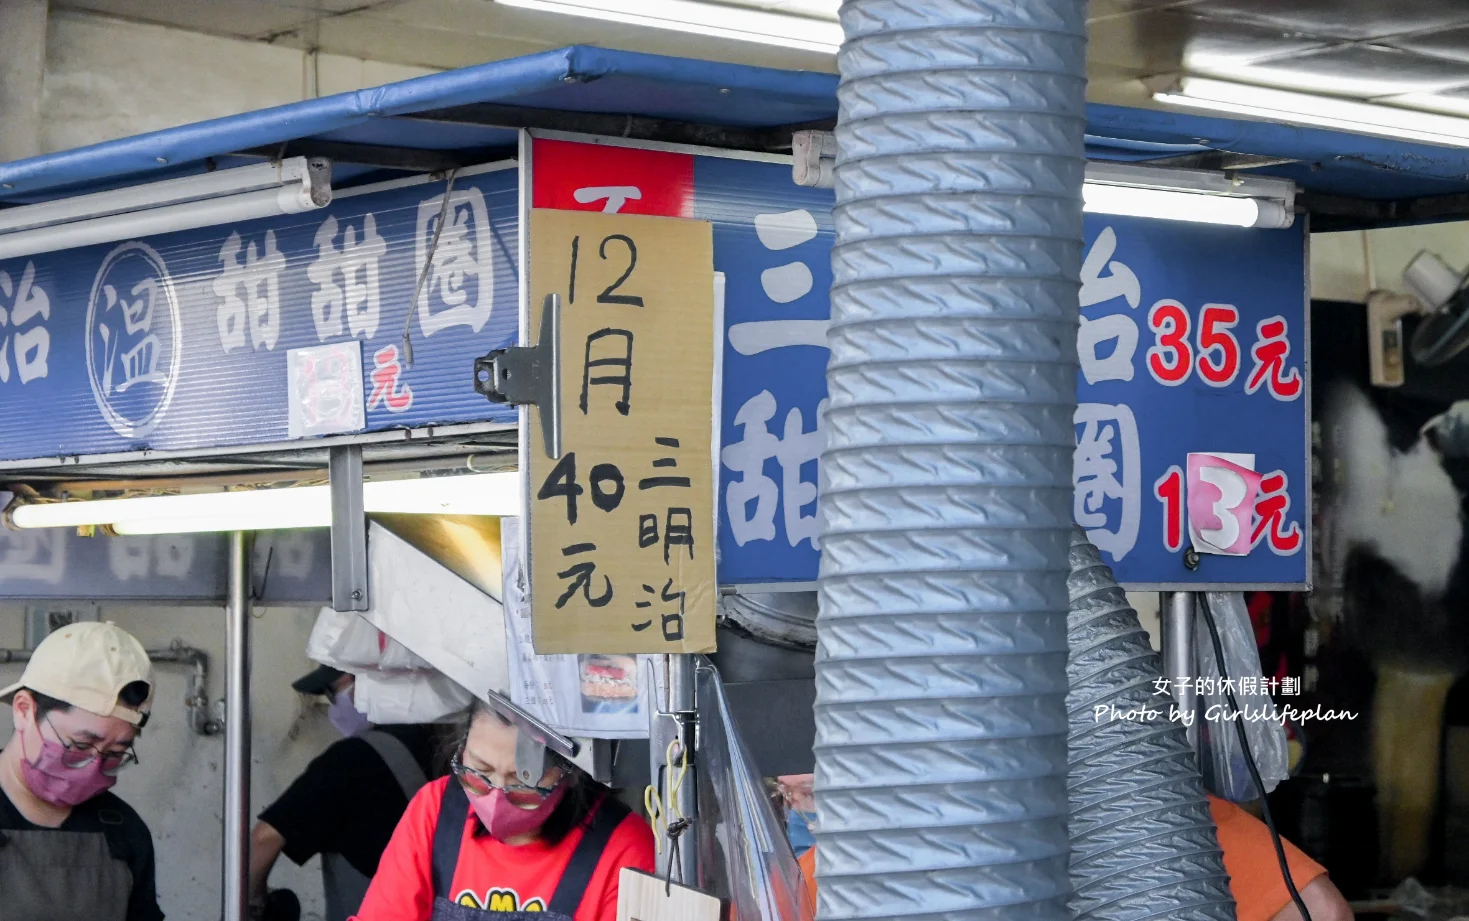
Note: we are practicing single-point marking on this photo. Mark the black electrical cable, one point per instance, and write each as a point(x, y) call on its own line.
point(1244, 741)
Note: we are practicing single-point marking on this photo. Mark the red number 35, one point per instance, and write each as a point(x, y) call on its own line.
point(1171, 359)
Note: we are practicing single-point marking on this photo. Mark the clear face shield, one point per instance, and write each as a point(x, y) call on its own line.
point(537, 769)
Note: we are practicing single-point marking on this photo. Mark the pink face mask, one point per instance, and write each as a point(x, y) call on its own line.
point(52, 781)
point(504, 820)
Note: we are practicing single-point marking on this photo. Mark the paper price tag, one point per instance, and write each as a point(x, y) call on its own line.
point(1222, 489)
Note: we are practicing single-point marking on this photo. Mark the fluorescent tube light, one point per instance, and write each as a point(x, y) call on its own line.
point(278, 509)
point(222, 197)
point(714, 19)
point(1170, 206)
point(1199, 196)
point(1274, 105)
point(1131, 189)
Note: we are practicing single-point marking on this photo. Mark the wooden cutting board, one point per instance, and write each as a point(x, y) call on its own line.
point(644, 897)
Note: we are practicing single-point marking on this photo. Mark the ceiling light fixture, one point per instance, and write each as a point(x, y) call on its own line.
point(1161, 204)
point(713, 19)
point(1266, 104)
point(495, 494)
point(227, 196)
point(1128, 189)
point(1197, 196)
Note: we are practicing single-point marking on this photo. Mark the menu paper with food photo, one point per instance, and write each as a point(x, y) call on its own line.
point(592, 695)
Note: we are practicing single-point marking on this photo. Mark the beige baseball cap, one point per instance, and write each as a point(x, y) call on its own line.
point(87, 665)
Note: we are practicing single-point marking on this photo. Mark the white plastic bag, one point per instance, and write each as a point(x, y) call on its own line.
point(347, 641)
point(408, 697)
point(1222, 758)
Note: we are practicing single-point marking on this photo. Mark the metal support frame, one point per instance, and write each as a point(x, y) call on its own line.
point(635, 127)
point(523, 375)
point(408, 159)
point(349, 530)
point(237, 733)
point(684, 706)
point(1179, 622)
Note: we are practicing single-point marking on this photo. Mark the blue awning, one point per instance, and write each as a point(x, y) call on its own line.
point(598, 82)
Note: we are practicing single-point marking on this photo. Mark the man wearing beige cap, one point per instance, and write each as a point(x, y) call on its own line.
point(69, 849)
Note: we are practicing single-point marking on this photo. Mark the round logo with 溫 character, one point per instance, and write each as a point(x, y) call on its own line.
point(134, 339)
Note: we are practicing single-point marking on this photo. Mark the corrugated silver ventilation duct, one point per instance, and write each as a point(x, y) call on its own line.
point(1142, 842)
point(941, 677)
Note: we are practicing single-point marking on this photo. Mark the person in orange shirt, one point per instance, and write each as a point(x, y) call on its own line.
point(1254, 872)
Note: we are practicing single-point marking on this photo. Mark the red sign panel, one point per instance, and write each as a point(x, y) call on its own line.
point(569, 176)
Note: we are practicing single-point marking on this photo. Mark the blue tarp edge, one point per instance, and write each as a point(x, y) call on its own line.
point(497, 81)
point(158, 150)
point(548, 79)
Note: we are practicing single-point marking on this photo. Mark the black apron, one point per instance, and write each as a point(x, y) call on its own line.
point(341, 883)
point(52, 875)
point(449, 835)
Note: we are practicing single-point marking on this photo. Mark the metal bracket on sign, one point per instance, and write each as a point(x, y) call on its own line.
point(523, 375)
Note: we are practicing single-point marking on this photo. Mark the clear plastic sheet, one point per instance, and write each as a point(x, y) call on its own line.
point(1222, 758)
point(744, 856)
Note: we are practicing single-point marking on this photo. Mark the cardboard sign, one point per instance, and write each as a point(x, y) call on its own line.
point(642, 897)
point(621, 529)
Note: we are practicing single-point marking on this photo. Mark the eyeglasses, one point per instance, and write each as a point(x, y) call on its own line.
point(478, 783)
point(81, 754)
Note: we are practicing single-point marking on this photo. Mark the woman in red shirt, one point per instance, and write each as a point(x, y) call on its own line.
point(481, 843)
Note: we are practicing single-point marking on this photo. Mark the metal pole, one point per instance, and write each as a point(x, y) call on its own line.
point(237, 733)
point(1177, 613)
point(681, 692)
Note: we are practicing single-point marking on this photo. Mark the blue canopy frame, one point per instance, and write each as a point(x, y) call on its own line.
point(461, 116)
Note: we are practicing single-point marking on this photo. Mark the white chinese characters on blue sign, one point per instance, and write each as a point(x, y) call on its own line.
point(461, 280)
point(348, 294)
point(776, 255)
point(1165, 374)
point(133, 339)
point(1164, 370)
point(180, 341)
point(25, 346)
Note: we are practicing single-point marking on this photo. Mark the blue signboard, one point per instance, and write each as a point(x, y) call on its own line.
point(181, 341)
point(1193, 342)
point(1192, 428)
point(774, 249)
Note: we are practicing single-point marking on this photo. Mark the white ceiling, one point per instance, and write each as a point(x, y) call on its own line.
point(1411, 52)
point(444, 33)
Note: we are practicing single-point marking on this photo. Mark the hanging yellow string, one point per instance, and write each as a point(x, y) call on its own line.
point(663, 812)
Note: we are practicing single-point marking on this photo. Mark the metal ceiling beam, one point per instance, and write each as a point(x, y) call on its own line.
point(635, 127)
point(408, 159)
point(1220, 160)
point(1340, 212)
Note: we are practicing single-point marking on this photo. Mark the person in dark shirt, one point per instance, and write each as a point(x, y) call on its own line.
point(69, 848)
point(345, 805)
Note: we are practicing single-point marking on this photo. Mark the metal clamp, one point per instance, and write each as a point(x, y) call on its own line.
point(524, 375)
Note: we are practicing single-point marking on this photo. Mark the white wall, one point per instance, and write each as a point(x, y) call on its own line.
point(108, 78)
point(1342, 271)
point(178, 786)
point(22, 47)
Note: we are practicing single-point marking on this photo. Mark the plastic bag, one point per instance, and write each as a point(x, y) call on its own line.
point(346, 641)
point(744, 856)
point(407, 697)
point(1222, 758)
